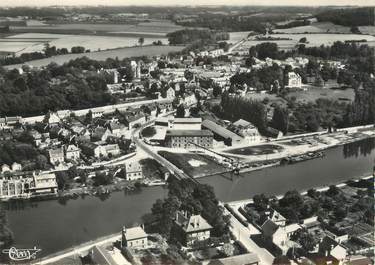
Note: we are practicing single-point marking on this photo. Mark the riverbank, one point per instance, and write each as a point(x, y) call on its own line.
point(84, 247)
point(238, 203)
point(297, 145)
point(91, 217)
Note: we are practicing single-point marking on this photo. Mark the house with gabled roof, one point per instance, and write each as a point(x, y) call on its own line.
point(191, 229)
point(134, 237)
point(72, 152)
point(56, 156)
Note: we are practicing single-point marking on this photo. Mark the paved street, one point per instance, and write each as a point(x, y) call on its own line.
point(242, 234)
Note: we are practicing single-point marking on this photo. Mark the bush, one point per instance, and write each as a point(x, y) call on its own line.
point(148, 131)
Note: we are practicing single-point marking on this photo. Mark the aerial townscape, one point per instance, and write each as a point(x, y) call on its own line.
point(200, 135)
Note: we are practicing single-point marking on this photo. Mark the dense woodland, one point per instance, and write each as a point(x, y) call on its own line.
point(191, 36)
point(74, 85)
point(349, 17)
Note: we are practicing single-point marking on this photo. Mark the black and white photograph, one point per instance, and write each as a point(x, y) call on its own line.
point(195, 132)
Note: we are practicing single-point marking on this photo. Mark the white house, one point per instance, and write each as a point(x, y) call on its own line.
point(133, 170)
point(5, 168)
point(134, 237)
point(72, 152)
point(171, 93)
point(247, 130)
point(294, 80)
point(16, 167)
point(56, 156)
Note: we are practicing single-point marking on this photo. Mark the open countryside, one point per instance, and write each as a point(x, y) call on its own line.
point(35, 42)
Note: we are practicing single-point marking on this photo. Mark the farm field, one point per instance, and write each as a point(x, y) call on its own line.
point(34, 42)
point(312, 38)
point(367, 30)
point(103, 55)
point(237, 36)
point(318, 27)
point(91, 28)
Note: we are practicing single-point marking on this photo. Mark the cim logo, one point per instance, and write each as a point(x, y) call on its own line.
point(21, 254)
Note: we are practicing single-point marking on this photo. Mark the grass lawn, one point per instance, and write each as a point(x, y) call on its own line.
point(194, 165)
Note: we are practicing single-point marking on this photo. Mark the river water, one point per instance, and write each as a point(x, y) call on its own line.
point(54, 225)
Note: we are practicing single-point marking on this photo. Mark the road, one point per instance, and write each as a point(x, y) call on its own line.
point(151, 152)
point(242, 234)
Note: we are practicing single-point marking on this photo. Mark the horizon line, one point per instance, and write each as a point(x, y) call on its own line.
point(187, 5)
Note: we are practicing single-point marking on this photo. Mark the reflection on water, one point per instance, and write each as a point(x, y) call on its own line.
point(336, 166)
point(363, 147)
point(45, 224)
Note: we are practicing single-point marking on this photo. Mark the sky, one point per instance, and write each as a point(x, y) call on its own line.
point(185, 2)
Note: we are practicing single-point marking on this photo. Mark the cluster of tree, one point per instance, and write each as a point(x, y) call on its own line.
point(33, 93)
point(48, 51)
point(265, 78)
point(190, 36)
point(149, 131)
point(236, 107)
point(280, 119)
point(362, 110)
point(363, 16)
point(189, 197)
point(22, 153)
point(309, 117)
point(292, 24)
point(338, 50)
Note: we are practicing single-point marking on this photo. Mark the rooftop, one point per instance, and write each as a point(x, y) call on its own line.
point(248, 258)
point(188, 120)
point(189, 133)
point(221, 131)
point(134, 233)
point(192, 223)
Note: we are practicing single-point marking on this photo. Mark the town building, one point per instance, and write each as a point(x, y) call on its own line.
point(186, 123)
point(44, 182)
point(5, 168)
point(278, 235)
point(191, 229)
point(72, 152)
point(171, 94)
point(52, 119)
point(222, 134)
point(294, 80)
point(100, 134)
point(100, 151)
point(132, 119)
point(16, 167)
point(15, 187)
point(134, 237)
point(330, 248)
point(133, 170)
point(247, 130)
point(56, 156)
point(189, 138)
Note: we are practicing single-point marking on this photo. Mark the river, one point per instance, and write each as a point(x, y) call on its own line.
point(53, 225)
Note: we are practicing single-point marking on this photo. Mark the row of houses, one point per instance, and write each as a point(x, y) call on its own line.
point(26, 185)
